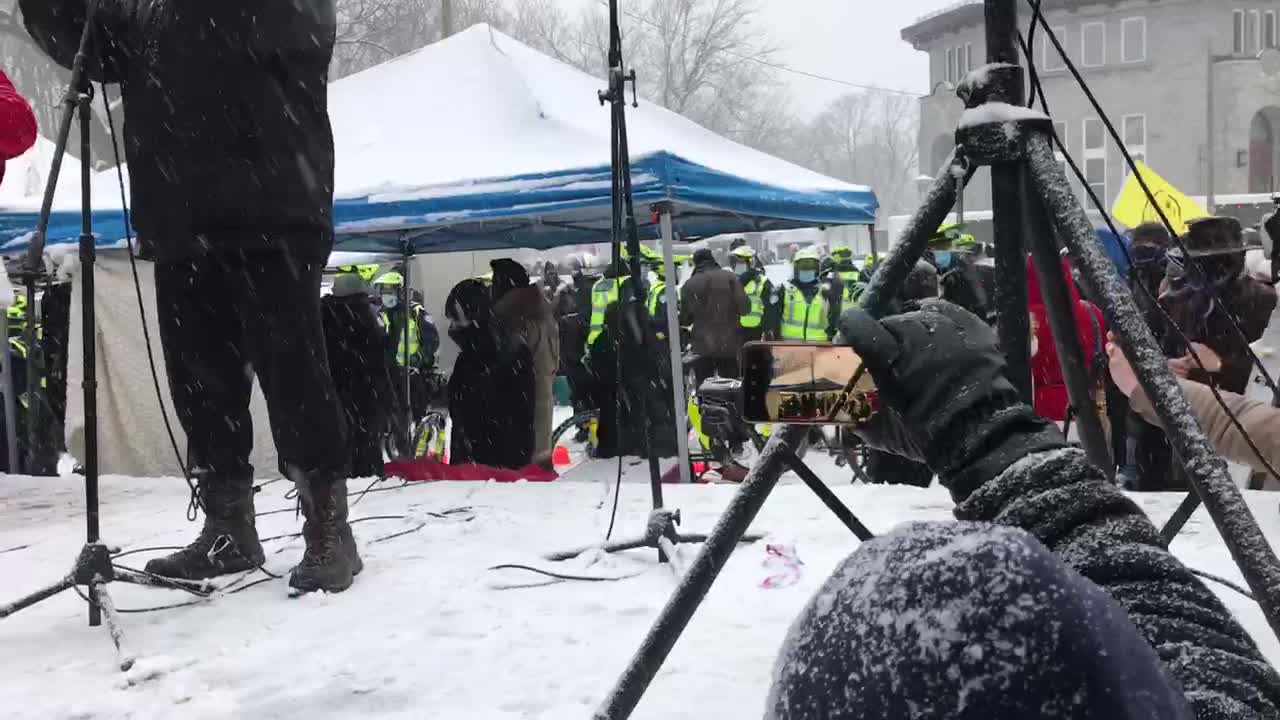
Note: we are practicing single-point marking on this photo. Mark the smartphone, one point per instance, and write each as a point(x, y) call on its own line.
point(805, 384)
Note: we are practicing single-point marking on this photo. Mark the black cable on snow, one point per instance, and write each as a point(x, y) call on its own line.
point(565, 576)
point(194, 503)
point(1038, 92)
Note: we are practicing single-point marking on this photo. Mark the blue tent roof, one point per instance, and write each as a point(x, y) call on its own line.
point(508, 151)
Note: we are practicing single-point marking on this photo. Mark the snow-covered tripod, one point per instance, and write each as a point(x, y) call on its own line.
point(93, 567)
point(1032, 202)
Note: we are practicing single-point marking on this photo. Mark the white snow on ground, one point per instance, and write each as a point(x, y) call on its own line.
point(425, 632)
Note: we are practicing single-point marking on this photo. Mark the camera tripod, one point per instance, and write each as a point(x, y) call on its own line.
point(1033, 201)
point(93, 568)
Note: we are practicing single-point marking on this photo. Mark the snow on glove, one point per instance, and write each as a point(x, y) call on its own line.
point(944, 396)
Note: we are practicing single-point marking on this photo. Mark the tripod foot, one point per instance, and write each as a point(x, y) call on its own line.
point(43, 594)
point(108, 607)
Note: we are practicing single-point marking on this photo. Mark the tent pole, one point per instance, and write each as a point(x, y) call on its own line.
point(673, 338)
point(404, 315)
point(10, 403)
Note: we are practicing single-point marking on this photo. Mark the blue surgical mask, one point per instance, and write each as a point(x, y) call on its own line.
point(942, 258)
point(806, 276)
point(390, 301)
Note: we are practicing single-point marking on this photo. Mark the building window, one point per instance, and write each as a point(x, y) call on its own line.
point(951, 65)
point(968, 57)
point(1253, 32)
point(1269, 30)
point(1095, 157)
point(1133, 40)
point(1135, 137)
point(1093, 44)
point(1051, 60)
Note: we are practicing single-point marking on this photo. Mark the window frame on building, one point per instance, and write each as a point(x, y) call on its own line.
point(1050, 61)
point(1138, 151)
point(1270, 31)
point(950, 59)
point(1095, 154)
point(968, 58)
point(1124, 44)
point(1237, 32)
point(1061, 129)
point(1084, 44)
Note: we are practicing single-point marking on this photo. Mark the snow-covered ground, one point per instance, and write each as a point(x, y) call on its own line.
point(427, 631)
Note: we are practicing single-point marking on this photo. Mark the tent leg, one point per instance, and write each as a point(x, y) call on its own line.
point(673, 338)
point(404, 313)
point(10, 402)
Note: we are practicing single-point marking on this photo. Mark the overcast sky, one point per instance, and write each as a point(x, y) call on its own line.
point(859, 42)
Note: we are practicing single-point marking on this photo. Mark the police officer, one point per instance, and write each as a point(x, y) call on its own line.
point(950, 251)
point(606, 291)
point(810, 305)
point(423, 340)
point(764, 313)
point(852, 284)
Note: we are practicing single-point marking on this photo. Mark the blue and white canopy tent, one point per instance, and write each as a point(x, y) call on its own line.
point(479, 142)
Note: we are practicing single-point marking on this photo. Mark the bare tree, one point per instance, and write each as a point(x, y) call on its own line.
point(869, 138)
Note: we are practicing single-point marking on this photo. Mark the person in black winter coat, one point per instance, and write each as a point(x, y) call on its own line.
point(231, 163)
point(1055, 597)
point(491, 390)
point(621, 424)
point(354, 339)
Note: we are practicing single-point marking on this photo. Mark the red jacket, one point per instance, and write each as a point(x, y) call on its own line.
point(1046, 373)
point(17, 123)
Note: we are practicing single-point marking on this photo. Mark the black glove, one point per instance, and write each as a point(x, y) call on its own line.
point(944, 397)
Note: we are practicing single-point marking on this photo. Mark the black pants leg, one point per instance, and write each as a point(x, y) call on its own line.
point(224, 317)
point(706, 367)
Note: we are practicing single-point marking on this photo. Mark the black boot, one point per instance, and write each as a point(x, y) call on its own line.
point(228, 513)
point(330, 560)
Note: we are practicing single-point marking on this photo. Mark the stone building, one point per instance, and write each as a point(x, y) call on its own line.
point(1193, 86)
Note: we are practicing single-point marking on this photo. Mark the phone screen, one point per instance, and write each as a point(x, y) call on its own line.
point(805, 384)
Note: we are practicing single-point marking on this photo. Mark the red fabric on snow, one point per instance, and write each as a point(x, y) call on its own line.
point(1046, 372)
point(17, 123)
point(428, 470)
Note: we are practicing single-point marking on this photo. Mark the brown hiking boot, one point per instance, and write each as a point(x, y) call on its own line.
point(331, 560)
point(227, 543)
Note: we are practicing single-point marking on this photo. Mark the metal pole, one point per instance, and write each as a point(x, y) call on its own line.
point(10, 401)
point(702, 573)
point(404, 315)
point(29, 338)
point(1210, 170)
point(1062, 321)
point(1206, 470)
point(673, 340)
point(446, 18)
point(1007, 189)
point(88, 254)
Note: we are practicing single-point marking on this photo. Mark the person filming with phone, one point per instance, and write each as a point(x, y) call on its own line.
point(1054, 595)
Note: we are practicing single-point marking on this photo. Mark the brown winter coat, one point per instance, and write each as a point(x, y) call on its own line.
point(713, 302)
point(1249, 301)
point(526, 319)
point(1259, 420)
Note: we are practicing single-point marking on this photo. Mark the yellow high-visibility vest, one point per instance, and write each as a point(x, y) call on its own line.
point(603, 293)
point(414, 334)
point(805, 320)
point(755, 293)
point(655, 296)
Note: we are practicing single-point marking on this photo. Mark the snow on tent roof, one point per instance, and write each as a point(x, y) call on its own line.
point(481, 142)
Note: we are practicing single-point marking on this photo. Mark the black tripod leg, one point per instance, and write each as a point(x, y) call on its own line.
point(675, 616)
point(108, 608)
point(1179, 518)
point(37, 596)
point(828, 498)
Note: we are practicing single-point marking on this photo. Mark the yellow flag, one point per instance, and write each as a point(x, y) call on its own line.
point(1133, 207)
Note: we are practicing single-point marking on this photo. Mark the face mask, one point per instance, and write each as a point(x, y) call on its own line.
point(806, 276)
point(942, 258)
point(390, 301)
